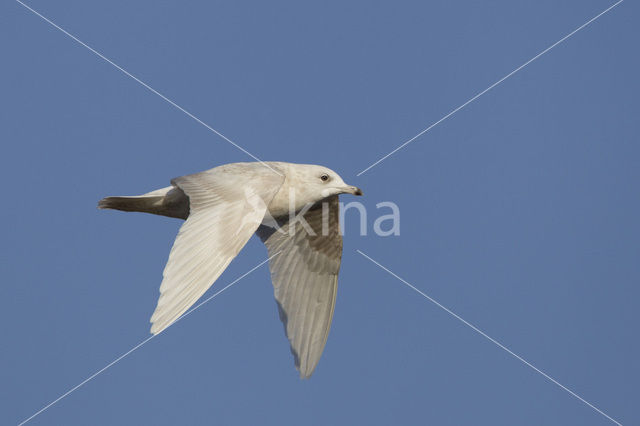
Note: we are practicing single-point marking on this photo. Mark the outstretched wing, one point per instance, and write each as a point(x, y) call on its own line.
point(305, 278)
point(226, 205)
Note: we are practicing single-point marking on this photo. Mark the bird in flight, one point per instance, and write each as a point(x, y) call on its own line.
point(294, 210)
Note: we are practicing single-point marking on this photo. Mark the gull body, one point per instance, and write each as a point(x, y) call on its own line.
point(294, 210)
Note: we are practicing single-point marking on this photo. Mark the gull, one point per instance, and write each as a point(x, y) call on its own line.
point(294, 210)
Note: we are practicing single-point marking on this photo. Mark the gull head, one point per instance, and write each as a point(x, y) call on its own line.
point(316, 183)
point(307, 184)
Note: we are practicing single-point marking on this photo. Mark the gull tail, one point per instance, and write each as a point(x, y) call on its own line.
point(170, 201)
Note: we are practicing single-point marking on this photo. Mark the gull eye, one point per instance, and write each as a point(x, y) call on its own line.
point(324, 177)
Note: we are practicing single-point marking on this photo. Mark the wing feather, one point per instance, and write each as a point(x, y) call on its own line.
point(305, 280)
point(226, 205)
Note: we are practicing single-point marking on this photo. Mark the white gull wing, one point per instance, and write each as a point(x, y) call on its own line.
point(226, 205)
point(305, 279)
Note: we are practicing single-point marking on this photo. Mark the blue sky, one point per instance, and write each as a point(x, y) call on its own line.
point(520, 213)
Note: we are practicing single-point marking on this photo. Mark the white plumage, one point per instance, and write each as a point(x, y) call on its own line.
point(294, 210)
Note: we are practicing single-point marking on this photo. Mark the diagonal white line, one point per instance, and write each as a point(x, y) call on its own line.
point(139, 345)
point(491, 339)
point(491, 87)
point(145, 85)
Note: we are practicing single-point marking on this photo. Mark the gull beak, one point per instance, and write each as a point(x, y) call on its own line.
point(352, 190)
